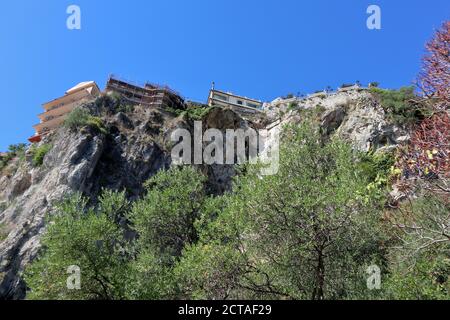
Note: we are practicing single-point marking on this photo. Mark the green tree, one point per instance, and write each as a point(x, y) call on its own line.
point(164, 219)
point(88, 238)
point(308, 232)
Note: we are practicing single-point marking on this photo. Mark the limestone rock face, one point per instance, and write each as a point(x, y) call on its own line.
point(32, 193)
point(366, 127)
point(333, 118)
point(354, 115)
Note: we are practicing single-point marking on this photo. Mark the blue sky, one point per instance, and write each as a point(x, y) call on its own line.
point(258, 48)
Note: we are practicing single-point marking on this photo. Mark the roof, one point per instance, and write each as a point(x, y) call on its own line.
point(236, 96)
point(80, 86)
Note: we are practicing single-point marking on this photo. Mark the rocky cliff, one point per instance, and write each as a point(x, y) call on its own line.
point(135, 147)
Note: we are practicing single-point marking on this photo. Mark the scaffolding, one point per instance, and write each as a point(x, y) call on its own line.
point(149, 94)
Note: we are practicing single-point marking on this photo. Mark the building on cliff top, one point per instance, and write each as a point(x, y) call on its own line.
point(237, 103)
point(57, 110)
point(148, 95)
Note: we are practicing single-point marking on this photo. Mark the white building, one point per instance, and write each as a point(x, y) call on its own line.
point(237, 103)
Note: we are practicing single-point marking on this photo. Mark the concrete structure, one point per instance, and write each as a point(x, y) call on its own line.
point(239, 104)
point(58, 109)
point(148, 94)
point(350, 88)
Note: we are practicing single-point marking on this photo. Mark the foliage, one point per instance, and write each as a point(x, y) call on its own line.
point(81, 117)
point(422, 223)
point(308, 232)
point(39, 153)
point(165, 217)
point(299, 239)
point(193, 112)
point(434, 80)
point(150, 277)
point(427, 154)
point(420, 262)
point(88, 238)
point(17, 148)
point(289, 96)
point(111, 266)
point(378, 168)
point(400, 105)
point(292, 106)
point(14, 150)
point(428, 279)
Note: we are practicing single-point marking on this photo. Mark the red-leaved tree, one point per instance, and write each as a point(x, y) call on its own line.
point(428, 153)
point(434, 79)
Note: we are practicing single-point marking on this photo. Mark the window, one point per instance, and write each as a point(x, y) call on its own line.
point(252, 105)
point(220, 97)
point(240, 102)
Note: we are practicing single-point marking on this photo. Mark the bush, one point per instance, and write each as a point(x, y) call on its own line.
point(193, 112)
point(292, 106)
point(400, 105)
point(39, 154)
point(289, 96)
point(81, 117)
point(17, 148)
point(14, 150)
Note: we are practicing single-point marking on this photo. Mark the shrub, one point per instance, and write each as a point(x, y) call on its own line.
point(289, 96)
point(39, 154)
point(77, 118)
point(193, 112)
point(377, 165)
point(97, 124)
point(81, 117)
point(17, 148)
point(400, 105)
point(292, 106)
point(14, 150)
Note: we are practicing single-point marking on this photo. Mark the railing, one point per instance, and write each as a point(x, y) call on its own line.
point(154, 86)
